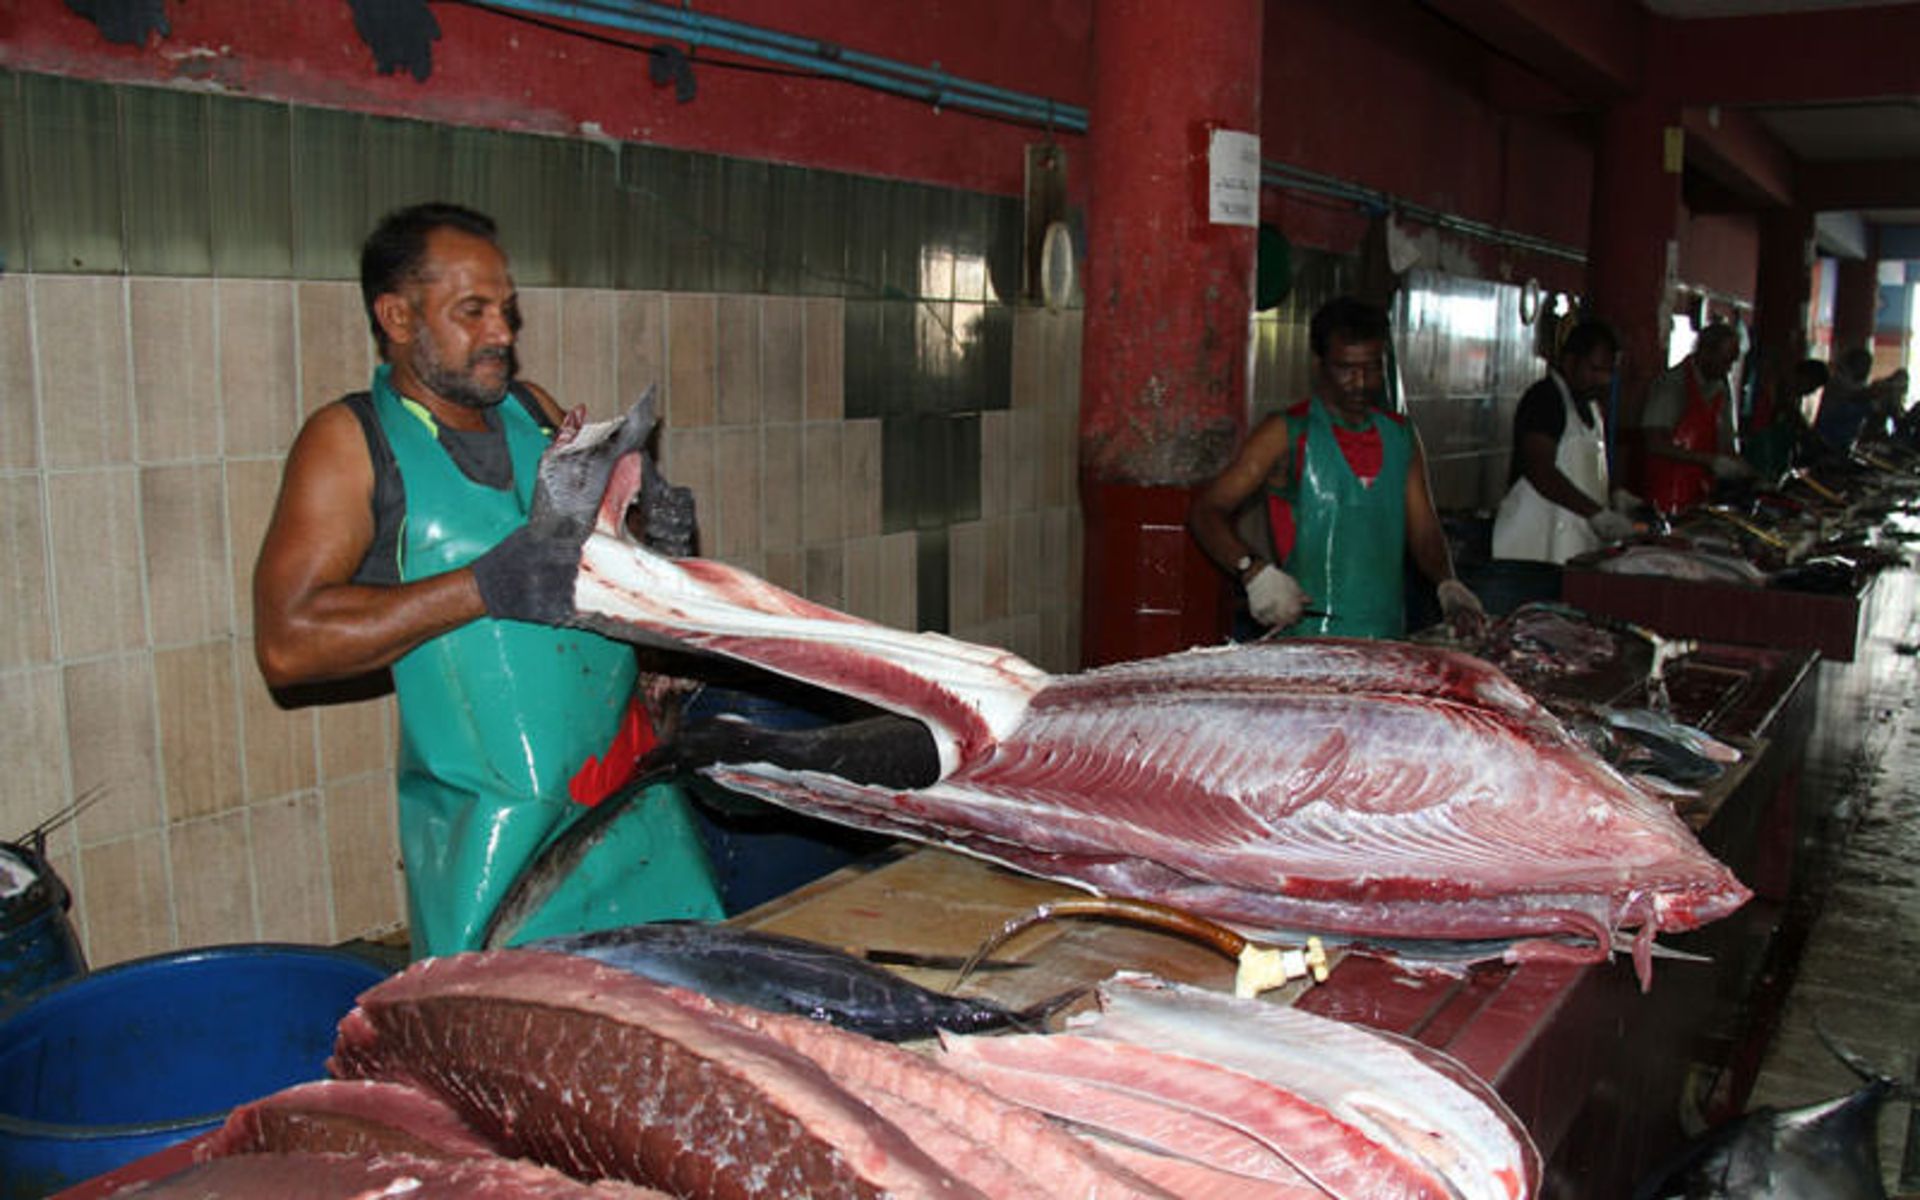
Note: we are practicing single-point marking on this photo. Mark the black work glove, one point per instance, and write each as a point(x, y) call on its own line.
point(127, 22)
point(530, 574)
point(665, 515)
point(401, 34)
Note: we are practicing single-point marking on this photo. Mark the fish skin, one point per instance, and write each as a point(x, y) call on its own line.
point(1407, 792)
point(780, 974)
point(1406, 1095)
point(1827, 1150)
point(1316, 1144)
point(1698, 566)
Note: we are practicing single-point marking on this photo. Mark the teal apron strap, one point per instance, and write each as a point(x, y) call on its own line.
point(496, 716)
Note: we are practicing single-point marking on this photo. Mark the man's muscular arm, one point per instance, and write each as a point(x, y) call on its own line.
point(1210, 516)
point(311, 622)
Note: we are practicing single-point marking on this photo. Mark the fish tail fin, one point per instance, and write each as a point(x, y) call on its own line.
point(1034, 1017)
point(542, 876)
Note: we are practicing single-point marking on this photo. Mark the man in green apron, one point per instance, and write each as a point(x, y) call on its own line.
point(399, 541)
point(1346, 500)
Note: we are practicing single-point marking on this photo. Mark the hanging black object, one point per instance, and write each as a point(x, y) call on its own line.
point(127, 22)
point(1273, 268)
point(401, 34)
point(671, 65)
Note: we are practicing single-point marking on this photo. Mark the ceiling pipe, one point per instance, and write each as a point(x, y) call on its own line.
point(1280, 175)
point(942, 90)
point(929, 85)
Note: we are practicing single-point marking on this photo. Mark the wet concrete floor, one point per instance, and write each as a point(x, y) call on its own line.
point(1859, 976)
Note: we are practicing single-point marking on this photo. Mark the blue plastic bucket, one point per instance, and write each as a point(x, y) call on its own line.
point(110, 1067)
point(38, 947)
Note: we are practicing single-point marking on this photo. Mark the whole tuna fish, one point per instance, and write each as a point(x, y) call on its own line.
point(781, 974)
point(1369, 788)
point(1824, 1151)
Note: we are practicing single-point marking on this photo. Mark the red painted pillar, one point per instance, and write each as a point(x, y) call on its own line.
point(1782, 288)
point(1165, 360)
point(1856, 302)
point(1631, 251)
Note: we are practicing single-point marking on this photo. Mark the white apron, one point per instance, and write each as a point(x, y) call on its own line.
point(1530, 526)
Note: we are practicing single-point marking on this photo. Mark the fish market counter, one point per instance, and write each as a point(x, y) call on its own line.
point(1832, 624)
point(1596, 1069)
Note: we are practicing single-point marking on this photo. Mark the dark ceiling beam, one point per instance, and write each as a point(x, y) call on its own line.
point(1830, 57)
point(1733, 148)
point(1864, 183)
point(1591, 49)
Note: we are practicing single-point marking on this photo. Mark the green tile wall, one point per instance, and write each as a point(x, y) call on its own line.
point(252, 149)
point(169, 224)
point(330, 214)
point(73, 176)
point(13, 175)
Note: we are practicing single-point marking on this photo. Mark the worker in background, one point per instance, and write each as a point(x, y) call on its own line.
point(1558, 503)
point(1778, 433)
point(400, 541)
point(1688, 424)
point(1847, 403)
point(1342, 483)
point(1852, 407)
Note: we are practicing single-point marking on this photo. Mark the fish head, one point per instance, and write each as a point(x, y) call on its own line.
point(601, 476)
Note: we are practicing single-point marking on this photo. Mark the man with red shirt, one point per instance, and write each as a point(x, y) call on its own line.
point(1688, 424)
point(1346, 497)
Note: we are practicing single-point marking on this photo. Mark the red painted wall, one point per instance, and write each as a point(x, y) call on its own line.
point(1721, 253)
point(1388, 96)
point(494, 70)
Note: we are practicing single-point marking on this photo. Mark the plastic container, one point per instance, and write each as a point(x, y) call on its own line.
point(38, 947)
point(110, 1067)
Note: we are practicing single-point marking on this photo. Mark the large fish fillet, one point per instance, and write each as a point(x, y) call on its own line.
point(1373, 789)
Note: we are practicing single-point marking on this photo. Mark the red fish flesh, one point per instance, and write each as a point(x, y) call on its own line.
point(340, 1116)
point(1373, 789)
point(602, 1074)
point(1266, 1092)
point(307, 1176)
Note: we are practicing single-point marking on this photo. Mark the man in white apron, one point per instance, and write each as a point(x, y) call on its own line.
point(1557, 504)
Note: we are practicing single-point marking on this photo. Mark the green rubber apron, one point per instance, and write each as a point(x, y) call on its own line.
point(496, 716)
point(1349, 542)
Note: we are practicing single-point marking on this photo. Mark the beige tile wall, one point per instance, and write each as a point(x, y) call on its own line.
point(147, 420)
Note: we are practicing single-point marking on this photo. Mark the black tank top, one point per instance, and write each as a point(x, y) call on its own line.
point(481, 456)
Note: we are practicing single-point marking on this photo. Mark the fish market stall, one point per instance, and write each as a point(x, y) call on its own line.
point(1801, 567)
point(1727, 610)
point(1496, 883)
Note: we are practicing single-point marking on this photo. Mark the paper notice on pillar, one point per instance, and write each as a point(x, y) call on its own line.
point(1233, 178)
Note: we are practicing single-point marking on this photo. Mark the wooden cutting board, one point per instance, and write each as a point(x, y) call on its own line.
point(934, 902)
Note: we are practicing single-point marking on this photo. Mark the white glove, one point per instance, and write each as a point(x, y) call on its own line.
point(1625, 501)
point(1726, 466)
point(1460, 606)
point(1610, 526)
point(1274, 598)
